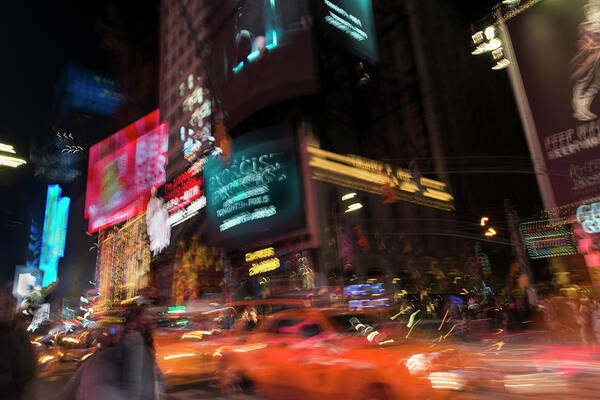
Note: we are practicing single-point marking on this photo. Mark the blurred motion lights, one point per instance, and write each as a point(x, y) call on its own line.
point(353, 207)
point(483, 221)
point(490, 232)
point(7, 148)
point(348, 196)
point(264, 266)
point(9, 161)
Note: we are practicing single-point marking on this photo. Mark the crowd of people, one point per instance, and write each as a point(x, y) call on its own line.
point(122, 367)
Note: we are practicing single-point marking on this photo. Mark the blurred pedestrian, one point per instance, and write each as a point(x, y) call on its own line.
point(100, 376)
point(120, 370)
point(17, 357)
point(141, 378)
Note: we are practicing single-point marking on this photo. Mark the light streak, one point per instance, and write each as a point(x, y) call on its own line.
point(353, 207)
point(70, 340)
point(372, 335)
point(411, 319)
point(443, 320)
point(11, 161)
point(348, 196)
point(45, 359)
point(248, 348)
point(7, 148)
point(86, 356)
point(483, 221)
point(179, 355)
point(449, 332)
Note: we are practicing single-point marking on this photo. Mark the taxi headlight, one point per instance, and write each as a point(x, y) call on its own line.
point(450, 380)
point(420, 363)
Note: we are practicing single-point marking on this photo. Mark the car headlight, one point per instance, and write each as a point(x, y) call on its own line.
point(420, 363)
point(450, 380)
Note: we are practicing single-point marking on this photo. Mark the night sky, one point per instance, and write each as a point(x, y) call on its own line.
point(38, 39)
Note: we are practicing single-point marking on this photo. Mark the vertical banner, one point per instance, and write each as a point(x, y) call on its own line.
point(557, 51)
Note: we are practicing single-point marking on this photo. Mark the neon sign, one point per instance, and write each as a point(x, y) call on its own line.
point(364, 289)
point(184, 197)
point(542, 239)
point(588, 216)
point(264, 266)
point(260, 254)
point(258, 193)
point(352, 22)
point(54, 233)
point(122, 169)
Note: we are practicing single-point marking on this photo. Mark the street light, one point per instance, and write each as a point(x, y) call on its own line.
point(353, 207)
point(348, 196)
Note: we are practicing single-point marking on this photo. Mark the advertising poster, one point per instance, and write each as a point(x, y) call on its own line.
point(557, 48)
point(122, 170)
point(257, 194)
point(262, 49)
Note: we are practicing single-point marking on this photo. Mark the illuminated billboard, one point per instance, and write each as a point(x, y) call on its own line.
point(262, 49)
point(258, 193)
point(54, 234)
point(351, 23)
point(556, 50)
point(543, 239)
point(83, 89)
point(123, 169)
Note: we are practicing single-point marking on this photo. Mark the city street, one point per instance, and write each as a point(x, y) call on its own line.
point(581, 380)
point(300, 199)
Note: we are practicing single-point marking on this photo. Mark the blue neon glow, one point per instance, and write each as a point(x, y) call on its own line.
point(237, 68)
point(54, 234)
point(369, 303)
point(273, 4)
point(274, 39)
point(254, 55)
point(364, 289)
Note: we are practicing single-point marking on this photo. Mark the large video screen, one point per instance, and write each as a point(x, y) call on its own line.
point(350, 23)
point(122, 170)
point(262, 53)
point(257, 194)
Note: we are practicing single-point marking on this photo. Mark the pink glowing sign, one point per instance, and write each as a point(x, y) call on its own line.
point(123, 169)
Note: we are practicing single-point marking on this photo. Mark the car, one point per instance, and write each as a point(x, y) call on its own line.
point(315, 353)
point(188, 345)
